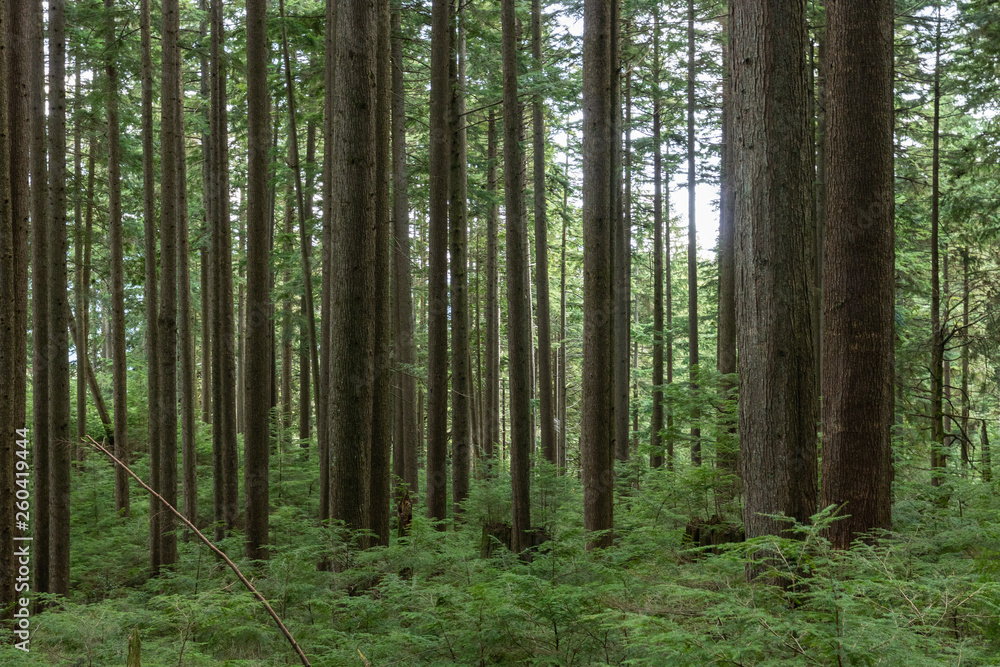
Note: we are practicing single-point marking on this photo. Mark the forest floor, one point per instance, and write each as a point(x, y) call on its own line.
point(927, 594)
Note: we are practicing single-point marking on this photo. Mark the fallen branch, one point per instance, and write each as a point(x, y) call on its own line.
point(219, 552)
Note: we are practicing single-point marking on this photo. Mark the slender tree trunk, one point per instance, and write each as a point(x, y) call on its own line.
point(546, 413)
point(562, 321)
point(259, 327)
point(692, 259)
point(595, 429)
point(727, 448)
point(93, 154)
point(189, 423)
point(858, 360)
point(946, 334)
point(518, 309)
point(150, 291)
point(773, 265)
point(619, 285)
point(630, 409)
point(119, 362)
point(308, 349)
point(407, 434)
point(656, 429)
point(170, 111)
point(437, 331)
point(986, 462)
point(491, 412)
point(286, 321)
point(461, 381)
point(965, 358)
point(820, 190)
point(207, 292)
point(82, 288)
point(938, 459)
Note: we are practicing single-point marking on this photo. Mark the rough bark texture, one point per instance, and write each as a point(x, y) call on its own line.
point(596, 420)
point(60, 453)
point(656, 437)
point(329, 213)
point(41, 440)
point(119, 363)
point(185, 331)
point(518, 309)
point(437, 325)
point(964, 337)
point(546, 412)
point(150, 292)
point(773, 265)
point(619, 285)
point(692, 258)
point(354, 238)
point(258, 362)
point(859, 305)
point(80, 286)
point(458, 228)
point(938, 458)
point(170, 109)
point(406, 434)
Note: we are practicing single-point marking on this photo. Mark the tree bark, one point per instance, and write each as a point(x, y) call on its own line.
point(461, 380)
point(406, 435)
point(656, 428)
point(258, 363)
point(692, 258)
point(938, 458)
point(491, 411)
point(986, 462)
point(596, 437)
point(859, 280)
point(82, 287)
point(965, 358)
point(437, 326)
point(119, 362)
point(189, 423)
point(518, 309)
point(773, 264)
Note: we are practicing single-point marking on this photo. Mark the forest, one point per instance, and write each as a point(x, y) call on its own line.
point(499, 332)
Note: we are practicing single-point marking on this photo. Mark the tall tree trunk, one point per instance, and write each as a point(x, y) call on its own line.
point(170, 109)
point(546, 413)
point(656, 428)
point(119, 362)
point(380, 479)
point(406, 435)
point(82, 288)
point(437, 326)
point(692, 259)
point(150, 294)
point(286, 322)
point(938, 459)
point(224, 448)
point(631, 409)
point(308, 349)
point(59, 457)
point(562, 384)
point(773, 265)
point(965, 358)
point(93, 154)
point(326, 291)
point(14, 264)
point(189, 423)
point(461, 381)
point(491, 411)
point(596, 420)
point(859, 299)
point(207, 291)
point(619, 285)
point(258, 363)
point(820, 190)
point(727, 448)
point(518, 309)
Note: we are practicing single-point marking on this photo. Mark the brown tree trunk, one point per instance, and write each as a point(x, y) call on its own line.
point(491, 410)
point(258, 363)
point(965, 358)
point(938, 458)
point(82, 287)
point(150, 291)
point(406, 435)
point(461, 380)
point(286, 323)
point(326, 291)
point(14, 269)
point(207, 292)
point(307, 348)
point(119, 362)
point(562, 384)
point(596, 420)
point(692, 259)
point(546, 413)
point(518, 309)
point(437, 326)
point(170, 110)
point(859, 299)
point(773, 266)
point(656, 428)
point(986, 462)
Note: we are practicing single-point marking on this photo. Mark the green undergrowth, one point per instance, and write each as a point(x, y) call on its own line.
point(926, 594)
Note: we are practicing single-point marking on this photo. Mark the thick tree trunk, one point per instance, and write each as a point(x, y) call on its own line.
point(518, 309)
point(150, 291)
point(406, 434)
point(773, 264)
point(259, 334)
point(692, 258)
point(859, 299)
point(119, 362)
point(170, 109)
point(461, 380)
point(596, 437)
point(437, 326)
